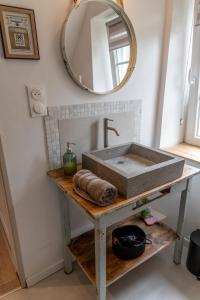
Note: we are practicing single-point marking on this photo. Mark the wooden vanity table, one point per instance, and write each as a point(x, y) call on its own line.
point(93, 250)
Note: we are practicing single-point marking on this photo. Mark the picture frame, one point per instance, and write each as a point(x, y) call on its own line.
point(18, 32)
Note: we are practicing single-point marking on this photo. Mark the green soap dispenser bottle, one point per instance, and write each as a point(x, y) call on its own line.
point(69, 161)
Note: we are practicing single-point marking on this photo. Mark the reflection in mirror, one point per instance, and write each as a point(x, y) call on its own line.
point(98, 46)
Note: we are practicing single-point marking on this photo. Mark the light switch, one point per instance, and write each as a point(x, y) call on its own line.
point(37, 100)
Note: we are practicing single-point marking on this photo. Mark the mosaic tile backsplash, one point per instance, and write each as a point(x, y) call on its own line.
point(57, 113)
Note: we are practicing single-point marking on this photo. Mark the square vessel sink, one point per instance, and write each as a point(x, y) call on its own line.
point(133, 168)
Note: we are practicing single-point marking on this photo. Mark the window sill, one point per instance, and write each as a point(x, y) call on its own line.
point(186, 151)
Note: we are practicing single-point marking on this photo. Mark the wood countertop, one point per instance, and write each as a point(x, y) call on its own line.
point(65, 184)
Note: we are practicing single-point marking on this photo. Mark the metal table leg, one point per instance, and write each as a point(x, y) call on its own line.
point(68, 268)
point(100, 261)
point(180, 225)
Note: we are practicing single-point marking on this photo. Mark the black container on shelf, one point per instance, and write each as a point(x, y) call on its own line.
point(193, 259)
point(129, 242)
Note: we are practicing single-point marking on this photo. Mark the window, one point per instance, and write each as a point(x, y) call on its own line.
point(198, 122)
point(119, 48)
point(192, 135)
point(121, 62)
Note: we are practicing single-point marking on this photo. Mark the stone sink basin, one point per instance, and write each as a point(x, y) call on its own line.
point(133, 168)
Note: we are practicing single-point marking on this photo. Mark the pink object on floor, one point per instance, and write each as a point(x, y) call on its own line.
point(151, 220)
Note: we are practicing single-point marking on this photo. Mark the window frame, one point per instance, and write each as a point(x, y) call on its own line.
point(193, 108)
point(115, 69)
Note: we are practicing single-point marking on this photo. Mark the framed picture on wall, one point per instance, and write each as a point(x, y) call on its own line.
point(18, 31)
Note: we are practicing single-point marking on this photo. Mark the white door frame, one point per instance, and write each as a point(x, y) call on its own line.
point(12, 219)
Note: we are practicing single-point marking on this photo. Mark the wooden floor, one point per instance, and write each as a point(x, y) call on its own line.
point(8, 277)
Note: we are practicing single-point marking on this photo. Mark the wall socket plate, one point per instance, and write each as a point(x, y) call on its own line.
point(37, 100)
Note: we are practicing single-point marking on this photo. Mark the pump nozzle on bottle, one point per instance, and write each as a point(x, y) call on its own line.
point(69, 149)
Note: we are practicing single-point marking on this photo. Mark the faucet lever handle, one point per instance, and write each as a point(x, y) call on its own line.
point(107, 119)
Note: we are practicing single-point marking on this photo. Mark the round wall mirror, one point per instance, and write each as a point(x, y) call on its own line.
point(99, 46)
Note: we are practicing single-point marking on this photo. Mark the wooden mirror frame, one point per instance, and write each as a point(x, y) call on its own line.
point(119, 2)
point(133, 46)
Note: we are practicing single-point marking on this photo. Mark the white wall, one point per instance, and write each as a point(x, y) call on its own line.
point(35, 198)
point(102, 69)
point(82, 66)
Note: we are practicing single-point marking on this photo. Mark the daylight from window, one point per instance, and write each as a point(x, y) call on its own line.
point(121, 59)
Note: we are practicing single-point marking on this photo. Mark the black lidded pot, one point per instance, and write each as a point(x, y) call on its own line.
point(128, 251)
point(193, 258)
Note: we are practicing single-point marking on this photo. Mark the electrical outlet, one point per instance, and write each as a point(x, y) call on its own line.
point(37, 101)
point(36, 94)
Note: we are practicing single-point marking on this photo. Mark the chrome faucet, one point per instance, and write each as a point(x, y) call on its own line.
point(106, 128)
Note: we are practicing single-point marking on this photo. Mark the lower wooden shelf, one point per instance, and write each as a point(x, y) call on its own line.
point(83, 248)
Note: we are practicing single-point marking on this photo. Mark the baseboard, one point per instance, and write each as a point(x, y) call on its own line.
point(45, 273)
